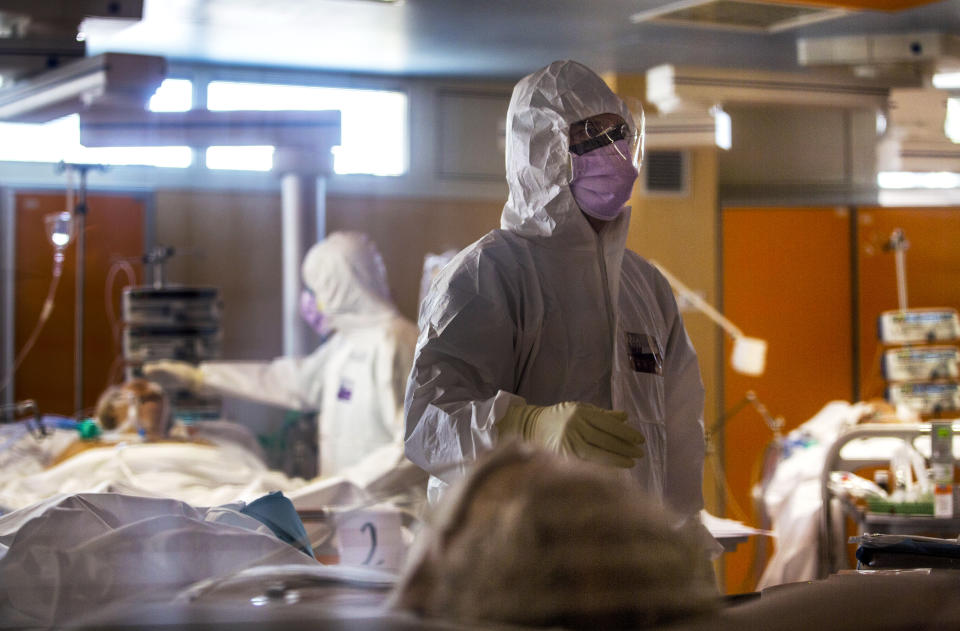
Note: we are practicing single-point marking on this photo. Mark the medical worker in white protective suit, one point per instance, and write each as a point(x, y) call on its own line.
point(355, 379)
point(549, 330)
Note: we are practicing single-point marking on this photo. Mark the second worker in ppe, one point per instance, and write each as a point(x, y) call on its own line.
point(355, 379)
point(548, 329)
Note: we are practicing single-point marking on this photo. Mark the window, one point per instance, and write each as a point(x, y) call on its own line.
point(60, 139)
point(173, 95)
point(373, 122)
point(251, 158)
point(373, 129)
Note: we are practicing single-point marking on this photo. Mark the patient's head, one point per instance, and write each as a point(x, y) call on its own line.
point(528, 538)
point(880, 411)
point(134, 405)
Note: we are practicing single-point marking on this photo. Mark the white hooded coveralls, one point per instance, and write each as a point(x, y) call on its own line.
point(547, 310)
point(355, 380)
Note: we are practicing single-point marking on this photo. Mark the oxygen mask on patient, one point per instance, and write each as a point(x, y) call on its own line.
point(137, 406)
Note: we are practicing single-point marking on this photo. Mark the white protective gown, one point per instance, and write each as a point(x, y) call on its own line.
point(355, 380)
point(547, 310)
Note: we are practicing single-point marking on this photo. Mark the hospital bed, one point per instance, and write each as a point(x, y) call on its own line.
point(215, 585)
point(335, 599)
point(863, 447)
point(263, 583)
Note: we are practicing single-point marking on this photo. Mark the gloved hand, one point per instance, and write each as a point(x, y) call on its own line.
point(183, 372)
point(581, 429)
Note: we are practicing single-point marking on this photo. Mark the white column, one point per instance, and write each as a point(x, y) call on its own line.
point(303, 202)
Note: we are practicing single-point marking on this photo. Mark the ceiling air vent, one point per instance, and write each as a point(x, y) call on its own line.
point(665, 172)
point(737, 15)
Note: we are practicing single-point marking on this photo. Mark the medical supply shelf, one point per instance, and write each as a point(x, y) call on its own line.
point(872, 522)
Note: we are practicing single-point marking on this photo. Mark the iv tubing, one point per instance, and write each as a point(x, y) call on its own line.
point(118, 266)
point(115, 328)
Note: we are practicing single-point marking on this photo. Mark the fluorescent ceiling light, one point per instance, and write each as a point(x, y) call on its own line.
point(904, 179)
point(951, 126)
point(724, 128)
point(947, 80)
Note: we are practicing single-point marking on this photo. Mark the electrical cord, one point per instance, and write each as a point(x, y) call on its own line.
point(115, 324)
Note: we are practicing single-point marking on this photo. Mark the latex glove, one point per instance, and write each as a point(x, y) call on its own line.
point(581, 429)
point(183, 372)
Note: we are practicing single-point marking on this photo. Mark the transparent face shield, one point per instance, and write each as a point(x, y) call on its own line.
point(609, 135)
point(606, 152)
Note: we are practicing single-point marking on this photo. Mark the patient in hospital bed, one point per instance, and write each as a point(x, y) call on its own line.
point(140, 410)
point(792, 495)
point(140, 451)
point(137, 407)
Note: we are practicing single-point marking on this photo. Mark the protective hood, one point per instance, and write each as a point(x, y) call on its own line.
point(346, 273)
point(537, 151)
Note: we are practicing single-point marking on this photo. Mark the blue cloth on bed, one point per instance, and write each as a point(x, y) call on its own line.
point(277, 512)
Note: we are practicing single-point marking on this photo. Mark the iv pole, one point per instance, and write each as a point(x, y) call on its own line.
point(80, 224)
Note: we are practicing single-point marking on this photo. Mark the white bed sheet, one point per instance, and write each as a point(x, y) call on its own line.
point(221, 471)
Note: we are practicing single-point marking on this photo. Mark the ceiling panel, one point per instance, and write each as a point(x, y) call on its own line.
point(465, 38)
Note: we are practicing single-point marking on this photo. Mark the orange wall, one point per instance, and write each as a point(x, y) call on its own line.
point(788, 274)
point(786, 279)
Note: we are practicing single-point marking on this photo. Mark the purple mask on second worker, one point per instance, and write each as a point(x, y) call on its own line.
point(312, 314)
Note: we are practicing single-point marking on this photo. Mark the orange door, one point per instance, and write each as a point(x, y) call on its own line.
point(786, 279)
point(114, 231)
point(933, 273)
